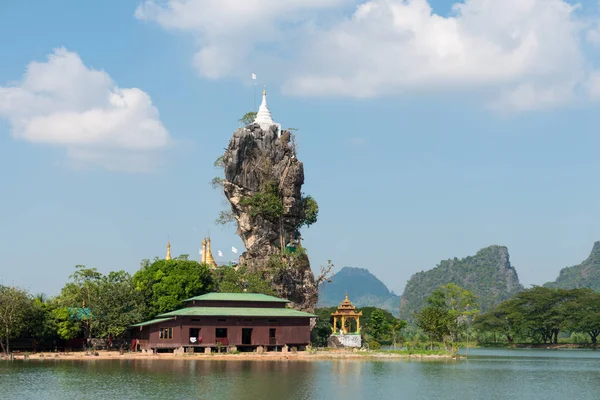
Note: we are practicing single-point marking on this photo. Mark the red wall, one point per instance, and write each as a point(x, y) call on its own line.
point(290, 331)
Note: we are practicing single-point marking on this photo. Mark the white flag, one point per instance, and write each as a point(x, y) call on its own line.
point(220, 254)
point(200, 250)
point(234, 249)
point(254, 76)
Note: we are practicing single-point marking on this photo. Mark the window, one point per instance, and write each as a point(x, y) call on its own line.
point(165, 333)
point(247, 320)
point(196, 320)
point(221, 320)
point(273, 321)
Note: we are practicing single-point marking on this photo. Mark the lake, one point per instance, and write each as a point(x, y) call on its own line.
point(487, 374)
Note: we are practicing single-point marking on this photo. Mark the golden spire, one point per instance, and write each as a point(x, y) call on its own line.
point(168, 257)
point(209, 257)
point(203, 258)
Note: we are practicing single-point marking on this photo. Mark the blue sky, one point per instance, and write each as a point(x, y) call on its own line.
point(424, 136)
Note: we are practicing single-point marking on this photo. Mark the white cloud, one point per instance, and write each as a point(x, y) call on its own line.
point(522, 54)
point(62, 102)
point(593, 86)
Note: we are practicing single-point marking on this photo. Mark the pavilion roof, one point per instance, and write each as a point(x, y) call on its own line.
point(238, 297)
point(237, 312)
point(154, 321)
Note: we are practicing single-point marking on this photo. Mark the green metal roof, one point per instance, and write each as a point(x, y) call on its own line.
point(238, 297)
point(236, 312)
point(154, 321)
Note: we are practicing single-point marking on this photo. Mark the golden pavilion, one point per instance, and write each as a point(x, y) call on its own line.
point(346, 312)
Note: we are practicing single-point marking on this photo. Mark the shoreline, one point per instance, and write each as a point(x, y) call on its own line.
point(268, 356)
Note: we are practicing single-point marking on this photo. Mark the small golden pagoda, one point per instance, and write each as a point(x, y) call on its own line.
point(207, 257)
point(168, 257)
point(346, 311)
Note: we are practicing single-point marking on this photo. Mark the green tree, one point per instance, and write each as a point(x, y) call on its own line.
point(119, 305)
point(434, 322)
point(102, 305)
point(247, 118)
point(68, 326)
point(39, 322)
point(395, 330)
point(14, 306)
point(164, 284)
point(377, 325)
point(80, 296)
point(584, 313)
point(238, 280)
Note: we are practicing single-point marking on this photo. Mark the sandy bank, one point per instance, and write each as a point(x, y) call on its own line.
point(269, 356)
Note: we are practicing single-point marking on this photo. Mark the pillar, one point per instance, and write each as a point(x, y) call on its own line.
point(334, 324)
point(357, 324)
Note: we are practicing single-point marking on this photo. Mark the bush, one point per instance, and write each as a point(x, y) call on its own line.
point(374, 345)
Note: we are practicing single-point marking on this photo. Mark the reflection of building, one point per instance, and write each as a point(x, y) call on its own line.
point(244, 320)
point(346, 313)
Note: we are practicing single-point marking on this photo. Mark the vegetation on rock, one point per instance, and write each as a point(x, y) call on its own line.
point(488, 274)
point(584, 275)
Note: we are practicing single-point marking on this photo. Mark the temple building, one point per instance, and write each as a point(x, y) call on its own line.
point(263, 116)
point(346, 313)
point(242, 321)
point(207, 257)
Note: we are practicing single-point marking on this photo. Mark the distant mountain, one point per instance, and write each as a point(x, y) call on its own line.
point(364, 290)
point(584, 275)
point(488, 274)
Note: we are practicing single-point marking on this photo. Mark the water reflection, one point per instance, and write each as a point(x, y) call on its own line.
point(513, 375)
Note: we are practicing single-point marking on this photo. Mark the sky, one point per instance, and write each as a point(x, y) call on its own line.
point(428, 129)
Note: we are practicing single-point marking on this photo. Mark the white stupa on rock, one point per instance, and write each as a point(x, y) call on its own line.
point(263, 116)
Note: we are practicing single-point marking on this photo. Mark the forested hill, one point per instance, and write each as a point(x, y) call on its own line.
point(584, 275)
point(488, 274)
point(364, 290)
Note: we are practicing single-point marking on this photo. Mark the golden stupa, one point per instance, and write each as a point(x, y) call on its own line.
point(207, 257)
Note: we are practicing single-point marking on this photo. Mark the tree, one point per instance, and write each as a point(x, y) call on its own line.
point(450, 309)
point(584, 313)
point(14, 306)
point(40, 323)
point(68, 326)
point(164, 284)
point(395, 329)
point(434, 322)
point(103, 306)
point(539, 314)
point(377, 325)
point(238, 280)
point(80, 296)
point(248, 118)
point(118, 305)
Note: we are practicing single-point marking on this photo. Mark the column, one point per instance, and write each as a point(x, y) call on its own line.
point(334, 324)
point(357, 324)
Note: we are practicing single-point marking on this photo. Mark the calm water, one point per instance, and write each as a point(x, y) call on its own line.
point(488, 374)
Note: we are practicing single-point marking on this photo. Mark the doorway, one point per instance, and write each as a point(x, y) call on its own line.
point(195, 336)
point(221, 336)
point(247, 336)
point(272, 336)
